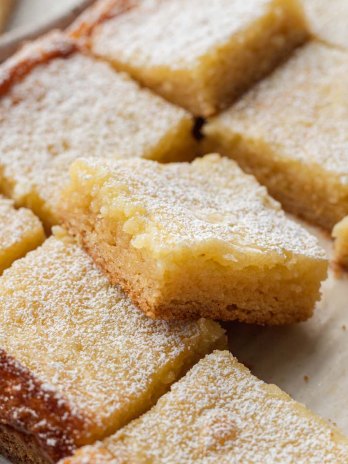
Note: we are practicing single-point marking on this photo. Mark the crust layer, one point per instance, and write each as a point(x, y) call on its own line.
point(53, 45)
point(96, 14)
point(33, 409)
point(176, 309)
point(21, 448)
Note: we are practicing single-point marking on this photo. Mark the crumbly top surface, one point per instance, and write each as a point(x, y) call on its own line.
point(176, 33)
point(76, 106)
point(82, 337)
point(219, 412)
point(301, 111)
point(209, 206)
point(328, 20)
point(15, 224)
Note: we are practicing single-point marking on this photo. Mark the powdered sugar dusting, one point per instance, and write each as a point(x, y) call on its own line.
point(52, 45)
point(220, 413)
point(210, 201)
point(175, 33)
point(72, 107)
point(91, 345)
point(301, 111)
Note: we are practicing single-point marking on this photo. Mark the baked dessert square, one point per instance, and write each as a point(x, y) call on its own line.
point(77, 359)
point(188, 240)
point(20, 232)
point(340, 234)
point(220, 413)
point(328, 21)
point(59, 103)
point(291, 132)
point(199, 54)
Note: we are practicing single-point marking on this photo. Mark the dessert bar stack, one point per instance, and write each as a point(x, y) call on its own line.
point(78, 359)
point(108, 348)
point(58, 103)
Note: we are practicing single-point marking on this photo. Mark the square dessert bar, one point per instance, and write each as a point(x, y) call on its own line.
point(77, 359)
point(328, 20)
point(59, 103)
point(220, 413)
point(199, 54)
point(291, 132)
point(20, 232)
point(186, 240)
point(340, 234)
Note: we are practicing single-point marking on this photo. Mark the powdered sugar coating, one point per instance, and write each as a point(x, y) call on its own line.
point(300, 112)
point(91, 345)
point(175, 33)
point(220, 413)
point(209, 205)
point(50, 46)
point(71, 107)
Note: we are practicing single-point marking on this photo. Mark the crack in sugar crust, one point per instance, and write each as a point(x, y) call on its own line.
point(28, 405)
point(15, 225)
point(301, 111)
point(192, 29)
point(219, 412)
point(210, 201)
point(53, 115)
point(92, 346)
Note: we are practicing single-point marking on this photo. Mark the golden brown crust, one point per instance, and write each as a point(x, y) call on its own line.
point(21, 448)
point(81, 228)
point(96, 14)
point(32, 408)
point(53, 45)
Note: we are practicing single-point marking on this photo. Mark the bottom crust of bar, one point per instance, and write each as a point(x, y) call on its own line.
point(99, 244)
point(20, 448)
